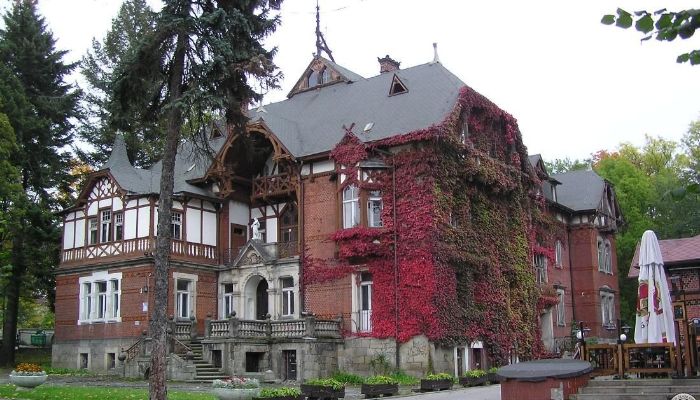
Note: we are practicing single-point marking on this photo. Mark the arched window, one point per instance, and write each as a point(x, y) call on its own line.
point(351, 206)
point(601, 254)
point(289, 223)
point(558, 262)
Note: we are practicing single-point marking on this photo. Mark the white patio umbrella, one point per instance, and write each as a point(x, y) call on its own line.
point(654, 311)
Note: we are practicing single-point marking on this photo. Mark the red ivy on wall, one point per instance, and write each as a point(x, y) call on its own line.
point(467, 227)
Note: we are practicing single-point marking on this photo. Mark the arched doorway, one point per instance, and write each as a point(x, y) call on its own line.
point(255, 298)
point(261, 300)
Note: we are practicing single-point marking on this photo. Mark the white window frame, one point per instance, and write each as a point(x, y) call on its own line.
point(93, 231)
point(607, 255)
point(227, 307)
point(351, 207)
point(601, 254)
point(607, 308)
point(374, 202)
point(96, 306)
point(118, 225)
point(561, 308)
point(191, 293)
point(540, 264)
point(558, 252)
point(288, 304)
point(365, 316)
point(105, 226)
point(176, 225)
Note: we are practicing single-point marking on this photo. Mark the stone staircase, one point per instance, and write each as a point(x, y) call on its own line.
point(206, 372)
point(638, 389)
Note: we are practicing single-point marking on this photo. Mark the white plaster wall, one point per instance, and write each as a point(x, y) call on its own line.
point(324, 166)
point(254, 213)
point(209, 230)
point(143, 201)
point(130, 217)
point(305, 169)
point(92, 210)
point(271, 230)
point(177, 205)
point(118, 204)
point(194, 224)
point(80, 233)
point(207, 205)
point(68, 235)
point(105, 203)
point(238, 213)
point(79, 214)
point(144, 221)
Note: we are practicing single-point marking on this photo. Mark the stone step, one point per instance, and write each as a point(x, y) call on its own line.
point(644, 382)
point(629, 396)
point(606, 390)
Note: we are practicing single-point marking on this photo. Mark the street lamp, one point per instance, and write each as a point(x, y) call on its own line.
point(379, 164)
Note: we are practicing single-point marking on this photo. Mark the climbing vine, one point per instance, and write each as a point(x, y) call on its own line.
point(469, 220)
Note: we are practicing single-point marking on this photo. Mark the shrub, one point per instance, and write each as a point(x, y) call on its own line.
point(493, 370)
point(438, 377)
point(279, 392)
point(348, 378)
point(404, 379)
point(381, 380)
point(380, 365)
point(236, 382)
point(330, 382)
point(475, 373)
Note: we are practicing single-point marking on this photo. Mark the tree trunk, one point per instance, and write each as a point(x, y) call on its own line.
point(12, 292)
point(159, 322)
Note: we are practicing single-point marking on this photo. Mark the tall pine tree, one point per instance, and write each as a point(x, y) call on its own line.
point(198, 60)
point(39, 107)
point(143, 137)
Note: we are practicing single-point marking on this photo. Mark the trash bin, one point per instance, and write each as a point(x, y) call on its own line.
point(38, 339)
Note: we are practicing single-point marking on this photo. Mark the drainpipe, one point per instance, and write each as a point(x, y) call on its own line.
point(571, 275)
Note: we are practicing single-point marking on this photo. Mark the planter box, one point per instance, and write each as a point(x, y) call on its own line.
point(27, 381)
point(235, 394)
point(431, 385)
point(466, 381)
point(379, 389)
point(313, 392)
point(279, 398)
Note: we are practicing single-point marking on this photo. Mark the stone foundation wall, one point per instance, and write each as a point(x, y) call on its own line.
point(67, 354)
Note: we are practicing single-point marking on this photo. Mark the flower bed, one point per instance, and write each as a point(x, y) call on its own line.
point(474, 377)
point(283, 393)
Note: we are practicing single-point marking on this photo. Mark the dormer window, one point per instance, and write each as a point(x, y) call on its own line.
point(397, 87)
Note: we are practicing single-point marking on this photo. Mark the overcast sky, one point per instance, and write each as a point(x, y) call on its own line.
point(574, 85)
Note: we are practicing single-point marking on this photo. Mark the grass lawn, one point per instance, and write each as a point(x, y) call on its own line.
point(96, 393)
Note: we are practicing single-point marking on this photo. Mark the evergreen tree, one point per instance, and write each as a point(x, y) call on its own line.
point(39, 107)
point(196, 61)
point(142, 136)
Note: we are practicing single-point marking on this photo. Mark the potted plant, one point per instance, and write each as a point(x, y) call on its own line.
point(283, 393)
point(474, 377)
point(27, 376)
point(379, 385)
point(492, 375)
point(322, 388)
point(236, 388)
point(440, 381)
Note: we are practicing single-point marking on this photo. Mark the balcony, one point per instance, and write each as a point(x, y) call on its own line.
point(135, 248)
point(273, 186)
point(268, 251)
point(308, 327)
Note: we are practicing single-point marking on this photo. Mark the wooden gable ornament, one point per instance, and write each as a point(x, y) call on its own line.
point(319, 73)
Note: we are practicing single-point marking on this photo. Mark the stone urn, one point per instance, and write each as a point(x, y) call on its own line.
point(235, 394)
point(27, 382)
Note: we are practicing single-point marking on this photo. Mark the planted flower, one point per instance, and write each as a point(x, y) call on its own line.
point(236, 382)
point(27, 375)
point(323, 388)
point(283, 392)
point(440, 381)
point(28, 369)
point(379, 385)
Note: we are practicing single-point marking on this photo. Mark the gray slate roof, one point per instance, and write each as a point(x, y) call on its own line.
point(188, 165)
point(311, 122)
point(580, 190)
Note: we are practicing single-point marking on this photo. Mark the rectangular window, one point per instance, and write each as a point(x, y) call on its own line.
point(351, 207)
point(287, 297)
point(228, 300)
point(111, 360)
point(607, 306)
point(540, 268)
point(601, 254)
point(92, 231)
point(106, 226)
point(183, 298)
point(561, 316)
point(176, 225)
point(86, 301)
point(116, 294)
point(118, 226)
point(558, 262)
point(365, 320)
point(374, 209)
point(101, 299)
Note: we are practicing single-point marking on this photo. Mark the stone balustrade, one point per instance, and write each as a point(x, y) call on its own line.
point(307, 327)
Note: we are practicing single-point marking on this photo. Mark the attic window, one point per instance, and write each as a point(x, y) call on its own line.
point(215, 133)
point(397, 87)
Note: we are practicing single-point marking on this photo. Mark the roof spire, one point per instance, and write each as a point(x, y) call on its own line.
point(436, 59)
point(321, 44)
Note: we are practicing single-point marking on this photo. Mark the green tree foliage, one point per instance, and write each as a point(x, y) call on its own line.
point(663, 25)
point(643, 177)
point(198, 59)
point(561, 165)
point(39, 107)
point(99, 66)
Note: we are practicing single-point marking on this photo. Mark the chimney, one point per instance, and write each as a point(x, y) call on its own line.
point(387, 64)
